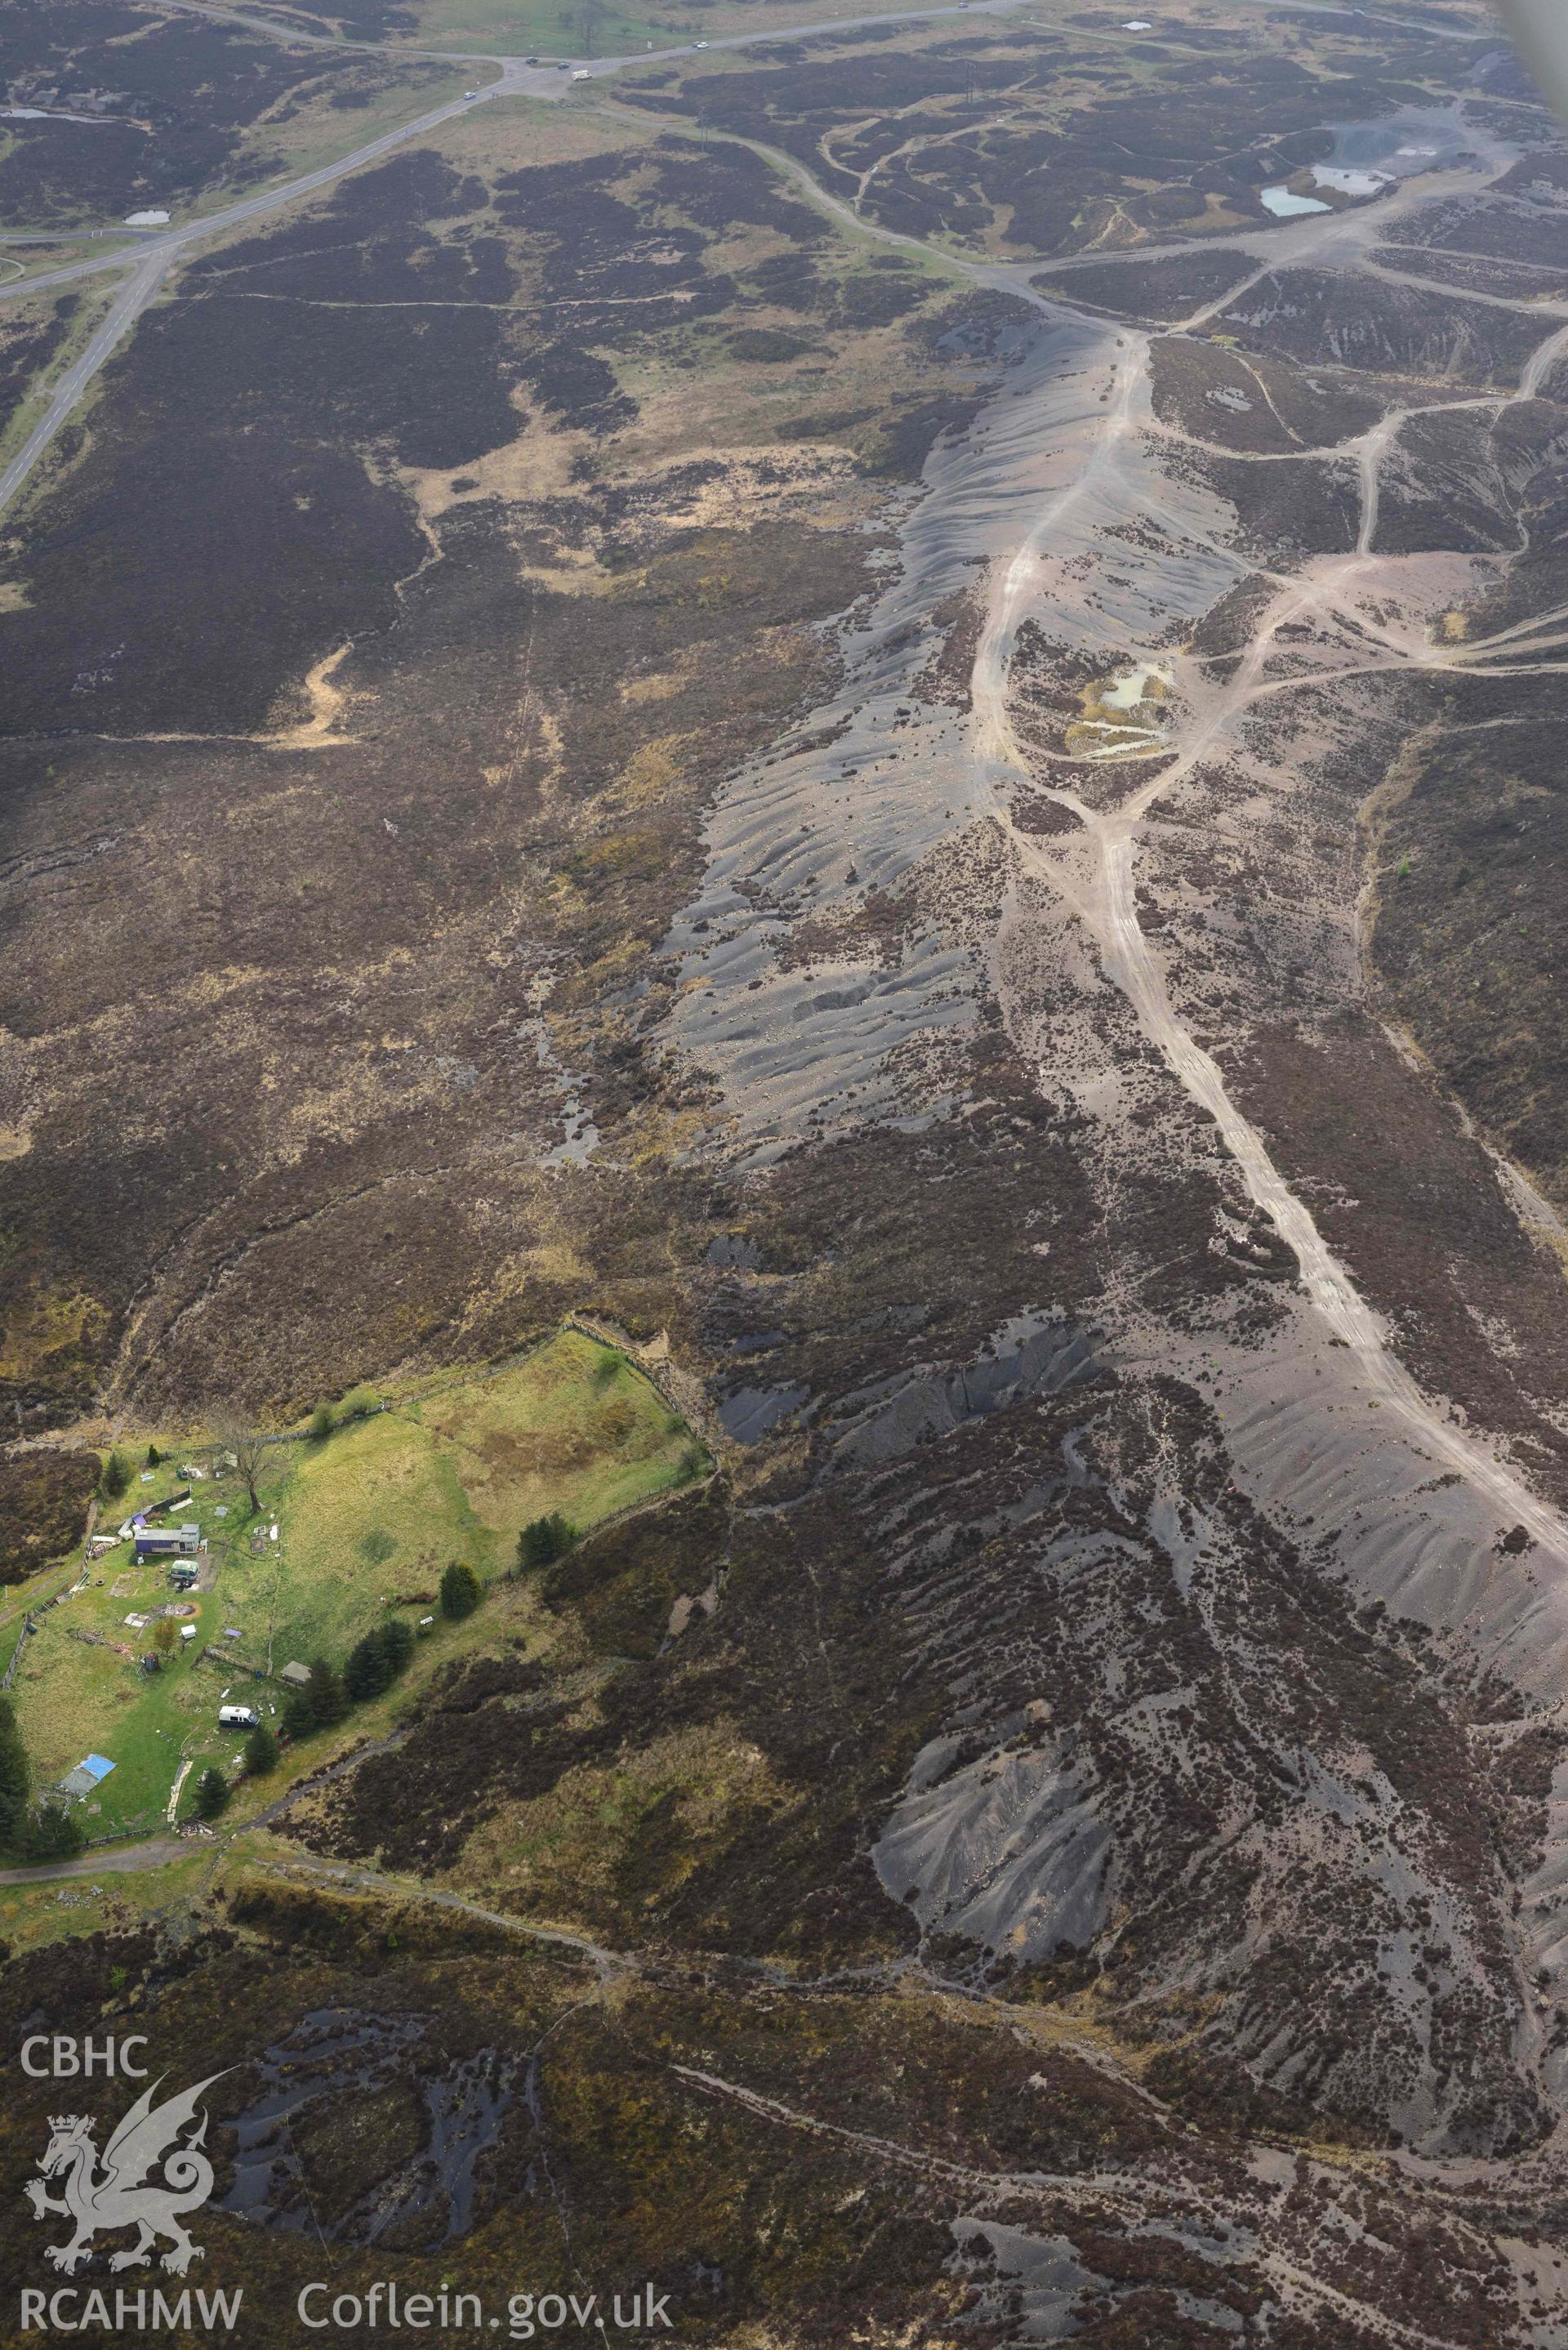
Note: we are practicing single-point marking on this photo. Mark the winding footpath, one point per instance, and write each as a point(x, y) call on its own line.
point(1147, 2205)
point(1107, 906)
point(1106, 901)
point(150, 264)
point(151, 260)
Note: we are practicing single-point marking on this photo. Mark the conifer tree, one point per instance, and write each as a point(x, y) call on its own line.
point(461, 1591)
point(55, 1833)
point(328, 1699)
point(14, 1777)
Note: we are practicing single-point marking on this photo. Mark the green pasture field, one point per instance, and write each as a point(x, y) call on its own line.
point(367, 1519)
point(568, 28)
point(549, 28)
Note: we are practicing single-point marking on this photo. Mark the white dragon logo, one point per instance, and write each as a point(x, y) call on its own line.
point(116, 2196)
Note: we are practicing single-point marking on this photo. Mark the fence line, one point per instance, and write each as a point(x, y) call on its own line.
point(213, 1654)
point(28, 1629)
point(123, 1835)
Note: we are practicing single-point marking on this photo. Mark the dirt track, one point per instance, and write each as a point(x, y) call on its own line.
point(121, 1860)
point(1106, 901)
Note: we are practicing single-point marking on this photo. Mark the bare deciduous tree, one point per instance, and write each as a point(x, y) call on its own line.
point(586, 17)
point(235, 1435)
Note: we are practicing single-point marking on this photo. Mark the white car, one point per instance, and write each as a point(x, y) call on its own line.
point(471, 93)
point(699, 45)
point(582, 74)
point(238, 1717)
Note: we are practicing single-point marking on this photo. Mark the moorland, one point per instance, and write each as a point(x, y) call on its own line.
point(874, 710)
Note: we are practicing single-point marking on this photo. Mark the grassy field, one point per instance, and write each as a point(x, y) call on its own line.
point(519, 27)
point(52, 1912)
point(549, 28)
point(365, 1518)
point(568, 28)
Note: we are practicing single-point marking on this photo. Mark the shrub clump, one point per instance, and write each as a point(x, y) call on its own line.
point(767, 345)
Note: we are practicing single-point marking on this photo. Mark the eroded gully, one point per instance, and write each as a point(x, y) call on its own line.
point(1096, 872)
point(1100, 888)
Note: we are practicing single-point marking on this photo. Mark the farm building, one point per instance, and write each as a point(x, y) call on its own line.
point(168, 1542)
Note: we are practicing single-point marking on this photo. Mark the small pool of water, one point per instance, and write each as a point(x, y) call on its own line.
point(1285, 207)
point(1149, 681)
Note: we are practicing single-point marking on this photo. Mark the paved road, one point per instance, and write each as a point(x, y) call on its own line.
point(1126, 951)
point(171, 243)
point(122, 1860)
point(150, 263)
point(296, 37)
point(127, 306)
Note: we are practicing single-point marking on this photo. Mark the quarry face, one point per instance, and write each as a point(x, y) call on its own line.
point(876, 722)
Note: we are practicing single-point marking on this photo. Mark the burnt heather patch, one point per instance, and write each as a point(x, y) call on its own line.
point(169, 101)
point(446, 697)
point(1032, 137)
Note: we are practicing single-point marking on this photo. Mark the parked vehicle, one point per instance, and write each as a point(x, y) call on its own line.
point(238, 1717)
